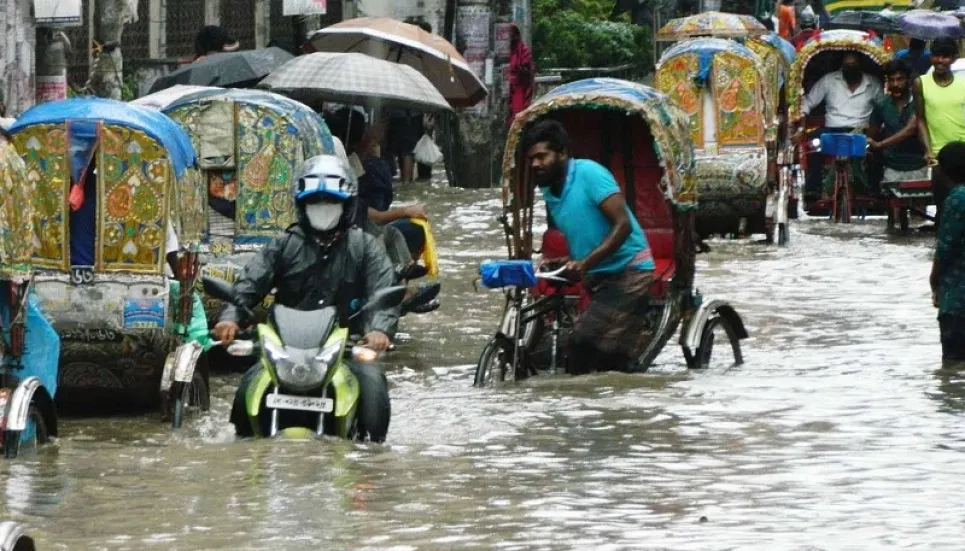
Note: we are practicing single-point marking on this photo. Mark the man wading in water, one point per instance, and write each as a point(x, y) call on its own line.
point(940, 106)
point(609, 251)
point(948, 269)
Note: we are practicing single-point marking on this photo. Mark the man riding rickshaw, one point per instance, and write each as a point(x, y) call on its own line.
point(834, 84)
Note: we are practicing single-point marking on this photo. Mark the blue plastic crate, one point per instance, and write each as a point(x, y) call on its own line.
point(508, 273)
point(844, 145)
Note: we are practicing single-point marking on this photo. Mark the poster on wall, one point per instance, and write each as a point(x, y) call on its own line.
point(51, 88)
point(303, 7)
point(502, 35)
point(57, 13)
point(474, 32)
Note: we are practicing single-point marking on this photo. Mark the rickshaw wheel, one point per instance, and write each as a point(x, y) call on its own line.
point(495, 363)
point(194, 393)
point(707, 337)
point(11, 438)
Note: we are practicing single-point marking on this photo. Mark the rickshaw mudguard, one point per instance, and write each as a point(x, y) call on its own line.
point(690, 336)
point(13, 536)
point(30, 391)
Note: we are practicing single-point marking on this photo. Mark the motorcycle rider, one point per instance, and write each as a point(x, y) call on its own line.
point(323, 258)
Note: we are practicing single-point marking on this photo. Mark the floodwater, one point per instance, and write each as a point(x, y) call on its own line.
point(839, 432)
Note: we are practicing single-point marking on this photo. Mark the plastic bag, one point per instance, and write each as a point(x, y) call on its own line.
point(508, 273)
point(427, 152)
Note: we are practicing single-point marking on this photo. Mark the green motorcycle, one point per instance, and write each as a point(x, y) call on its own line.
point(313, 380)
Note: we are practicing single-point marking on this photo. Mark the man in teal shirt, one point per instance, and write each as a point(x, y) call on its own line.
point(948, 270)
point(608, 250)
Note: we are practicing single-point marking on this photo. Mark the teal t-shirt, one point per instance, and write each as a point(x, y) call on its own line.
point(577, 214)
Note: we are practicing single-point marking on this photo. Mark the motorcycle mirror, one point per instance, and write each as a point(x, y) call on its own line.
point(386, 298)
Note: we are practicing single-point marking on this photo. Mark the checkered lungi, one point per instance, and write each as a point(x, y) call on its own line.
point(617, 320)
point(892, 175)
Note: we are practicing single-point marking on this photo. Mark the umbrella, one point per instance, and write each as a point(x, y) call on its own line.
point(864, 20)
point(236, 69)
point(929, 25)
point(711, 23)
point(355, 79)
point(159, 101)
point(429, 54)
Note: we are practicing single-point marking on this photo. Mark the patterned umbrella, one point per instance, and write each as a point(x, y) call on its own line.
point(929, 25)
point(399, 42)
point(355, 79)
point(711, 23)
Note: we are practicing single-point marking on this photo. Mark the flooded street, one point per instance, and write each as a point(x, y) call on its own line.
point(840, 430)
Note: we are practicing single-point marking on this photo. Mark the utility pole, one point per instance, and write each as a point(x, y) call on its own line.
point(51, 56)
point(107, 71)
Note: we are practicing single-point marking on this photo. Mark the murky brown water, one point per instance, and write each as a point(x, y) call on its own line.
point(839, 432)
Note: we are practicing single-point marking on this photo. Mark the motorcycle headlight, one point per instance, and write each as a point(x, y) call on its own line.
point(329, 355)
point(296, 369)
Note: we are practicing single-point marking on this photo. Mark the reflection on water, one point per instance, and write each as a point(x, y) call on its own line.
point(840, 430)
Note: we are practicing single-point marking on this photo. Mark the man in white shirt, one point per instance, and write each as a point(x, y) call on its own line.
point(848, 96)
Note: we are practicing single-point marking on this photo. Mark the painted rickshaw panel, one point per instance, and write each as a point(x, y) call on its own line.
point(116, 320)
point(17, 201)
point(829, 41)
point(776, 55)
point(732, 177)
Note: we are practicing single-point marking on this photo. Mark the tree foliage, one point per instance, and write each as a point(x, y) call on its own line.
point(578, 33)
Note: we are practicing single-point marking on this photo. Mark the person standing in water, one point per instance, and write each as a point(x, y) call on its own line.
point(948, 269)
point(522, 73)
point(940, 107)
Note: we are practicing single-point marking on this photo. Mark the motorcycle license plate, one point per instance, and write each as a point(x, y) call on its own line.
point(302, 403)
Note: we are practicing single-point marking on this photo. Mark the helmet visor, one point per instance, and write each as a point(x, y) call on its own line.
point(333, 186)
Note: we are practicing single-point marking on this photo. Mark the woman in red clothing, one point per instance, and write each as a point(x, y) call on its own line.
point(522, 73)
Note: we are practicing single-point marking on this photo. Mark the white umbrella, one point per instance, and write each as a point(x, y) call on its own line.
point(161, 100)
point(355, 79)
point(399, 42)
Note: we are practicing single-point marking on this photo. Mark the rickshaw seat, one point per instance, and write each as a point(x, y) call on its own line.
point(661, 242)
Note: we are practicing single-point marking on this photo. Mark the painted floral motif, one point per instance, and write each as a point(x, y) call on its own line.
point(223, 184)
point(47, 174)
point(675, 78)
point(135, 200)
point(16, 219)
point(737, 88)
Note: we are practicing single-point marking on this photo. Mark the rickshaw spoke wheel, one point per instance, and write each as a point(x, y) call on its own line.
point(495, 364)
point(193, 394)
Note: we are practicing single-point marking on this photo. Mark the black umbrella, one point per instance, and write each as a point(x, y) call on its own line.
point(865, 20)
point(227, 70)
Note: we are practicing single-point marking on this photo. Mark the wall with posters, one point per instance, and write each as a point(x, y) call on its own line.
point(433, 11)
point(17, 43)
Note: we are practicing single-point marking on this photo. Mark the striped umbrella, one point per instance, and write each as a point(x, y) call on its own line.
point(355, 79)
point(399, 42)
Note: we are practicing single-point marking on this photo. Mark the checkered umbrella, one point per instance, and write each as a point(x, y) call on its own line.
point(433, 56)
point(355, 79)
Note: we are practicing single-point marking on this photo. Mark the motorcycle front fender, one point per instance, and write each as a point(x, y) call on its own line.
point(346, 390)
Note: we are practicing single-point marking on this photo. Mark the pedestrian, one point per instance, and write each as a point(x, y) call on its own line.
point(522, 73)
point(917, 55)
point(948, 268)
point(213, 39)
point(786, 19)
point(940, 106)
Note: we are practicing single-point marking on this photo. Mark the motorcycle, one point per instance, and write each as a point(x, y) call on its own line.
point(306, 386)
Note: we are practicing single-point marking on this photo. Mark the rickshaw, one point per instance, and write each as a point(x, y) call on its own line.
point(643, 139)
point(29, 347)
point(117, 224)
point(249, 144)
point(819, 56)
point(724, 89)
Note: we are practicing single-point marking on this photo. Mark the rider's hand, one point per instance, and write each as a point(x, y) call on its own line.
point(576, 268)
point(930, 160)
point(873, 144)
point(415, 211)
point(376, 340)
point(225, 331)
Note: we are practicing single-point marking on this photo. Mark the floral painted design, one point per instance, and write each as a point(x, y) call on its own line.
point(16, 218)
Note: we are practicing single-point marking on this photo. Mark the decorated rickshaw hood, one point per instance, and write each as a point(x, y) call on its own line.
point(668, 125)
point(709, 45)
point(783, 46)
point(834, 40)
point(16, 216)
point(82, 112)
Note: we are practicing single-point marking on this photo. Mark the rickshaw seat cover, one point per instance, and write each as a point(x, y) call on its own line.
point(841, 40)
point(83, 113)
point(507, 273)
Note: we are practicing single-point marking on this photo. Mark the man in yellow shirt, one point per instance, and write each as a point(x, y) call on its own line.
point(940, 106)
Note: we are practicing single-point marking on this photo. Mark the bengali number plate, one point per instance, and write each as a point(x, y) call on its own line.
point(301, 403)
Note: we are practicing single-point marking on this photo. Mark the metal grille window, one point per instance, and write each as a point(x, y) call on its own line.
point(238, 17)
point(184, 19)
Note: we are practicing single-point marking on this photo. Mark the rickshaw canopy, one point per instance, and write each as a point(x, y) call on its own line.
point(776, 55)
point(85, 113)
point(667, 123)
point(16, 216)
point(838, 41)
point(735, 76)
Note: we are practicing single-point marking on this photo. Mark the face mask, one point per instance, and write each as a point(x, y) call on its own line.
point(323, 216)
point(852, 73)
